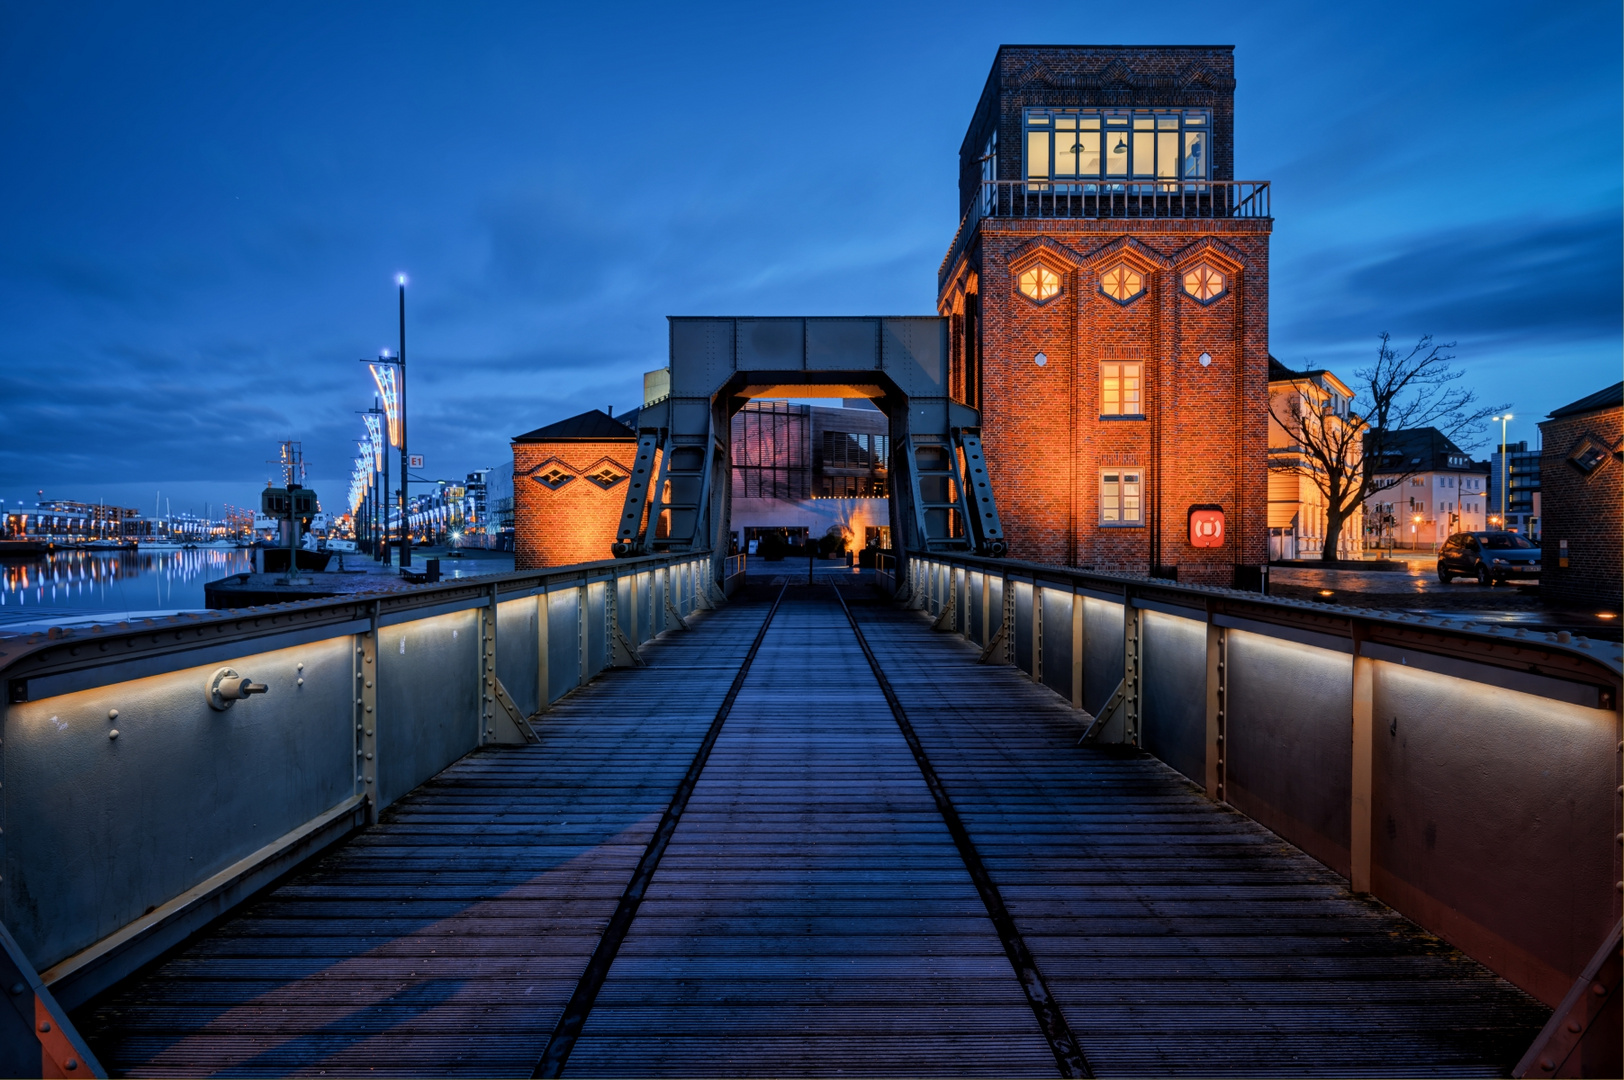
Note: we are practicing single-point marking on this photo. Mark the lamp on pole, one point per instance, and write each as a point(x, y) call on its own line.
point(394, 401)
point(1505, 467)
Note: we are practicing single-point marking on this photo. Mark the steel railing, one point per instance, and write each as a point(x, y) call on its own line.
point(1107, 199)
point(1468, 776)
point(136, 808)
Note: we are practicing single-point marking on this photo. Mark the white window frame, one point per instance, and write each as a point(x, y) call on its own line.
point(1115, 498)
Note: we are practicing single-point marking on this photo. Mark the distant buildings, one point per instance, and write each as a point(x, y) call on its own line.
point(1582, 488)
point(1297, 517)
point(807, 472)
point(1441, 490)
point(1521, 514)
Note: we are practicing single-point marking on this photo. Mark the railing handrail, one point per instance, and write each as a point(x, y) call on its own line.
point(72, 648)
point(1600, 663)
point(1132, 196)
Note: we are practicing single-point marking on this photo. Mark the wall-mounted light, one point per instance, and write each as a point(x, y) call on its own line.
point(1040, 359)
point(1205, 359)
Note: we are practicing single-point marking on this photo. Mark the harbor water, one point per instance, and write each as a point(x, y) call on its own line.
point(70, 586)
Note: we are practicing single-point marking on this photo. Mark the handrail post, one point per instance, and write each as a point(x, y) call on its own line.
point(1361, 809)
point(1037, 632)
point(1131, 689)
point(1217, 701)
point(1076, 650)
point(366, 715)
point(543, 677)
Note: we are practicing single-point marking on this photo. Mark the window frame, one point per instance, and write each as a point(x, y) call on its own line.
point(1138, 390)
point(1112, 475)
point(1138, 132)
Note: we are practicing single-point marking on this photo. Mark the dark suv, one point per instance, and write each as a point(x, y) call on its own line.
point(1491, 557)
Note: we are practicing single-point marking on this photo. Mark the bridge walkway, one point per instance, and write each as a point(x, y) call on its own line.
point(811, 911)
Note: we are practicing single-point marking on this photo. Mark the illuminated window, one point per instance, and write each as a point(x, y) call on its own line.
point(1120, 389)
point(1122, 283)
point(1039, 283)
point(1068, 145)
point(553, 478)
point(606, 476)
point(1204, 283)
point(1120, 497)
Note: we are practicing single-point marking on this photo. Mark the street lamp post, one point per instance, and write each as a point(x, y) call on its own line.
point(1505, 468)
point(400, 406)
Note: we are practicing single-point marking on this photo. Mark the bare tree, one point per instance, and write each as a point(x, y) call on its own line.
point(1353, 456)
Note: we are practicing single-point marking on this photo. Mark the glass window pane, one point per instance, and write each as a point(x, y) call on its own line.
point(1116, 160)
point(1195, 154)
point(1037, 120)
point(1144, 153)
point(1088, 157)
point(1167, 153)
point(1143, 121)
point(1065, 153)
point(1167, 120)
point(1065, 123)
point(1193, 118)
point(1037, 154)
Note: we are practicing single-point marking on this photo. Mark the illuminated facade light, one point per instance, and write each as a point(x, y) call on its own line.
point(384, 376)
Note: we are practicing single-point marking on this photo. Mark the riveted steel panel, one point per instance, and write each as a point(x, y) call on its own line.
point(1174, 723)
point(702, 353)
point(516, 656)
point(597, 628)
point(1289, 741)
point(1469, 780)
point(1102, 653)
point(99, 829)
point(843, 344)
point(1057, 640)
point(1021, 632)
point(772, 344)
point(914, 353)
point(563, 642)
point(428, 699)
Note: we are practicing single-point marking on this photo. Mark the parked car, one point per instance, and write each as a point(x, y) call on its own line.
point(1491, 557)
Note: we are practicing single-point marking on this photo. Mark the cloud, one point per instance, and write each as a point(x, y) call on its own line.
point(1513, 281)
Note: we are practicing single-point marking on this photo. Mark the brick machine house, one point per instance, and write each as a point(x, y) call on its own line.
point(567, 493)
point(1108, 301)
point(1582, 489)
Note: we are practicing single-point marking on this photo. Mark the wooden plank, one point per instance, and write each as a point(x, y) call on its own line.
point(1180, 937)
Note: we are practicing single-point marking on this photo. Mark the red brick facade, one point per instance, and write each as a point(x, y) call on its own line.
point(566, 500)
point(1584, 509)
point(1203, 437)
point(1200, 438)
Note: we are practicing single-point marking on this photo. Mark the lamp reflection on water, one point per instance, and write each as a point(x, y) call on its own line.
point(80, 583)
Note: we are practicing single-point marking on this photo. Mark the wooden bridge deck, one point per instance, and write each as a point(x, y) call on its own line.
point(812, 912)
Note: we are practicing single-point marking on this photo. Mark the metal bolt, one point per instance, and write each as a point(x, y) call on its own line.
point(369, 733)
point(369, 708)
point(369, 779)
point(358, 701)
point(1598, 989)
point(299, 667)
point(112, 714)
point(299, 682)
point(17, 988)
point(113, 734)
point(369, 757)
point(369, 684)
point(45, 1025)
point(1574, 1025)
point(72, 1064)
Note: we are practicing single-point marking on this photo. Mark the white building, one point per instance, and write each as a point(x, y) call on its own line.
point(1438, 491)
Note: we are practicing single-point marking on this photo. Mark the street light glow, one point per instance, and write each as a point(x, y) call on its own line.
point(400, 279)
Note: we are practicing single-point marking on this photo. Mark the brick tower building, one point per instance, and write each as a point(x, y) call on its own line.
point(1108, 301)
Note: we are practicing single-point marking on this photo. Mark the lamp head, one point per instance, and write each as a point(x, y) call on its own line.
point(400, 279)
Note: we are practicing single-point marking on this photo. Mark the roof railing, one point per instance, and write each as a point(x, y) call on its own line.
point(1108, 199)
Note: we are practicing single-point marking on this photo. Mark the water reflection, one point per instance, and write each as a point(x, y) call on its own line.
point(113, 582)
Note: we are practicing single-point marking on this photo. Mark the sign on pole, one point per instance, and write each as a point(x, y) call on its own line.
point(417, 461)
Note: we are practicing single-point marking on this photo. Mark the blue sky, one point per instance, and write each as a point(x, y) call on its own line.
point(206, 204)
